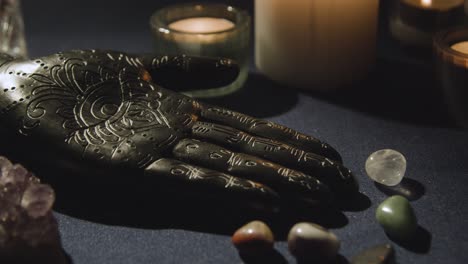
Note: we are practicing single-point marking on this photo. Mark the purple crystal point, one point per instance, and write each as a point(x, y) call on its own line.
point(5, 166)
point(38, 200)
point(28, 229)
point(15, 175)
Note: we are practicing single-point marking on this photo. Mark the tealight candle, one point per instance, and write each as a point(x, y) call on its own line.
point(435, 4)
point(202, 25)
point(204, 30)
point(315, 45)
point(451, 51)
point(461, 47)
point(413, 22)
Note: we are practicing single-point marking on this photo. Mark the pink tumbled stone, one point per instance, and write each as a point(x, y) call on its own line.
point(253, 238)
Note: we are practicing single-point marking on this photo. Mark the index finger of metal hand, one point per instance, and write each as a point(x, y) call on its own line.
point(271, 130)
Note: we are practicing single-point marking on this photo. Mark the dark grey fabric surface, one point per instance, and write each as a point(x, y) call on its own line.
point(398, 107)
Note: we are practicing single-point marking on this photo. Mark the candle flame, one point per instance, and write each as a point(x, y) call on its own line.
point(426, 2)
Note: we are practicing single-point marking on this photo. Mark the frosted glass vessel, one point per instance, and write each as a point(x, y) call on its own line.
point(12, 41)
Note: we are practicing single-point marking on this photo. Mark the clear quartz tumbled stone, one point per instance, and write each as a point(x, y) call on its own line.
point(386, 166)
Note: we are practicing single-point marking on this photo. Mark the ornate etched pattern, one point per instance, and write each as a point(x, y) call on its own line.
point(205, 176)
point(264, 128)
point(281, 178)
point(102, 102)
point(103, 106)
point(323, 168)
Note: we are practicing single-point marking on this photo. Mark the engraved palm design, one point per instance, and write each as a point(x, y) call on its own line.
point(105, 107)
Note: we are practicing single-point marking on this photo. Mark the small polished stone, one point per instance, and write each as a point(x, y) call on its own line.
point(397, 217)
point(380, 254)
point(308, 241)
point(386, 167)
point(253, 238)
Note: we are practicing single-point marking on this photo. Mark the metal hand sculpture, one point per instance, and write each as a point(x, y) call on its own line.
point(107, 109)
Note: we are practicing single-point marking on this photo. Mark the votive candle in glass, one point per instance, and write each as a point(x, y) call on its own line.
point(414, 22)
point(451, 52)
point(204, 30)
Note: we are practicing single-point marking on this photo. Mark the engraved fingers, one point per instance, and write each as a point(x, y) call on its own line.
point(213, 183)
point(289, 183)
point(267, 129)
point(338, 178)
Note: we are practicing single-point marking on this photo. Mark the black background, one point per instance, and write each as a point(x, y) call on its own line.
point(399, 106)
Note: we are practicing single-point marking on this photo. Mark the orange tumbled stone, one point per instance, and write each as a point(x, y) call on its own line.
point(253, 238)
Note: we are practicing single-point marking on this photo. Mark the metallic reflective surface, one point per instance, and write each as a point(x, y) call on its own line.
point(106, 109)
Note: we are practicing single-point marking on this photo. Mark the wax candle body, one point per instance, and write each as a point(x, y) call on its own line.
point(438, 5)
point(316, 45)
point(202, 25)
point(461, 47)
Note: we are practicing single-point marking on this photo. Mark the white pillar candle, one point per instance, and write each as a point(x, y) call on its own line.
point(202, 25)
point(315, 45)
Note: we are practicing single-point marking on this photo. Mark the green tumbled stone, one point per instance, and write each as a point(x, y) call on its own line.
point(381, 254)
point(397, 218)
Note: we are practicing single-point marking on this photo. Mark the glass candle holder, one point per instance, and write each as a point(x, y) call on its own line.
point(12, 41)
point(414, 22)
point(206, 30)
point(451, 53)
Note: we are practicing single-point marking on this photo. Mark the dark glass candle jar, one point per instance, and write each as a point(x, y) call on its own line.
point(414, 22)
point(451, 54)
point(207, 30)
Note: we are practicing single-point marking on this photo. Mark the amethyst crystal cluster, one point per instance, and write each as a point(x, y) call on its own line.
point(28, 229)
